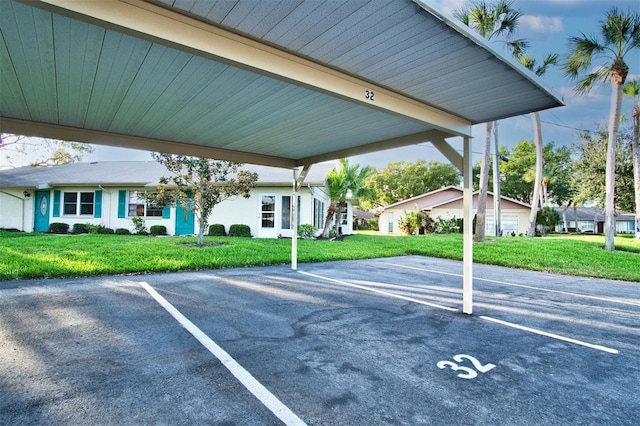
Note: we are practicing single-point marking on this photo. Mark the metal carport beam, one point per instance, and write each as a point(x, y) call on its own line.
point(159, 25)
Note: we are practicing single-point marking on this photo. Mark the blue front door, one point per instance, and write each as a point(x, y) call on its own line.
point(42, 209)
point(184, 221)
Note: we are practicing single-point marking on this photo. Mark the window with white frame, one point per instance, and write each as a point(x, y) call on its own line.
point(318, 213)
point(390, 221)
point(139, 206)
point(344, 216)
point(77, 203)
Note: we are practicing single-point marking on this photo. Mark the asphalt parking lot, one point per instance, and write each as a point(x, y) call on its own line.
point(341, 343)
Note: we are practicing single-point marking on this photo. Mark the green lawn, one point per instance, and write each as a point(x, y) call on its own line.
point(24, 256)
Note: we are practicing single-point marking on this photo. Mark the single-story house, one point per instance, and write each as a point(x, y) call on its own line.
point(108, 194)
point(447, 203)
point(591, 219)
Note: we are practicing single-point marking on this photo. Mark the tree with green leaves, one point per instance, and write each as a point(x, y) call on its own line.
point(491, 21)
point(539, 70)
point(632, 89)
point(518, 171)
point(199, 184)
point(403, 180)
point(590, 169)
point(21, 151)
point(620, 35)
point(344, 181)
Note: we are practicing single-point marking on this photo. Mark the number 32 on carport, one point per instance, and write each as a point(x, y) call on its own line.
point(465, 372)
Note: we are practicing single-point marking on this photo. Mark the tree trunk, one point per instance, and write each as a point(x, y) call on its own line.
point(636, 164)
point(481, 212)
point(327, 222)
point(535, 206)
point(610, 175)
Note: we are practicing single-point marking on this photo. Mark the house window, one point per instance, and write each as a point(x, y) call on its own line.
point(285, 223)
point(138, 206)
point(390, 221)
point(318, 213)
point(268, 211)
point(344, 216)
point(77, 203)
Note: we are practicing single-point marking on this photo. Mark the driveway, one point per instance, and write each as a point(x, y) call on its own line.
point(340, 343)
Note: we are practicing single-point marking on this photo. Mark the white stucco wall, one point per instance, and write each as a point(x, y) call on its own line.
point(17, 211)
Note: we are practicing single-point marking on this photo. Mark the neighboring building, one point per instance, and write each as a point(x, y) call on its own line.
point(591, 219)
point(107, 193)
point(447, 202)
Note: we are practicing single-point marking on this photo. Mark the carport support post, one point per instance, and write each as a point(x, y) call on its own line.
point(298, 177)
point(467, 232)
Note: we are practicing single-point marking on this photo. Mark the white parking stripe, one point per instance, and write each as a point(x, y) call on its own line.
point(554, 336)
point(248, 381)
point(386, 293)
point(603, 299)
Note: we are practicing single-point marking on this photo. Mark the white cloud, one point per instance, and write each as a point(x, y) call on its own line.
point(545, 24)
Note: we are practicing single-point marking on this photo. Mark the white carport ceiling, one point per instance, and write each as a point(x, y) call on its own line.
point(278, 83)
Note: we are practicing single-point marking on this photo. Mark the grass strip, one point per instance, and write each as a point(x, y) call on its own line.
point(26, 256)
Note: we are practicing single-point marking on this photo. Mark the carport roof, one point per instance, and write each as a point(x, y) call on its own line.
point(283, 83)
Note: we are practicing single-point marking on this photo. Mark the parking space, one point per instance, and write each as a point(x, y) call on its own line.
point(364, 342)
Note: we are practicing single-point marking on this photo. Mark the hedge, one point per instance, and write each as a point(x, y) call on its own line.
point(239, 231)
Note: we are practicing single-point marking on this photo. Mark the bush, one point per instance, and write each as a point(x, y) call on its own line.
point(101, 229)
point(447, 226)
point(411, 222)
point(333, 233)
point(123, 231)
point(217, 230)
point(139, 226)
point(80, 228)
point(158, 230)
point(58, 228)
point(307, 232)
point(373, 224)
point(239, 231)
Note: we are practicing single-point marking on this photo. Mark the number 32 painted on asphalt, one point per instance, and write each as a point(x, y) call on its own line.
point(465, 372)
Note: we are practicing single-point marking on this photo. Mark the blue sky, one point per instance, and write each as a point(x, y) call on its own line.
point(547, 25)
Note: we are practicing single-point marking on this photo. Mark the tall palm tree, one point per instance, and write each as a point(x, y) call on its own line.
point(531, 64)
point(491, 21)
point(620, 34)
point(632, 88)
point(343, 181)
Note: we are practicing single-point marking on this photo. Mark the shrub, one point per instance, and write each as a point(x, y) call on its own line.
point(139, 226)
point(101, 229)
point(158, 230)
point(411, 222)
point(447, 225)
point(123, 231)
point(307, 232)
point(373, 224)
point(58, 228)
point(80, 228)
point(239, 231)
point(333, 233)
point(217, 230)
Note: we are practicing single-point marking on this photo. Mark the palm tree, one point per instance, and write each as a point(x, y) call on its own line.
point(490, 20)
point(343, 181)
point(632, 88)
point(620, 34)
point(539, 70)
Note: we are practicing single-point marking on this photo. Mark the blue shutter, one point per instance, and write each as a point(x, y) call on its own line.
point(56, 203)
point(122, 204)
point(166, 212)
point(97, 205)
